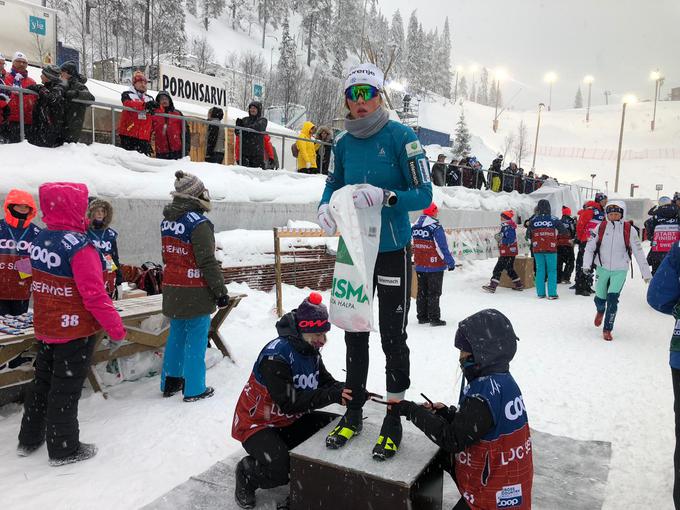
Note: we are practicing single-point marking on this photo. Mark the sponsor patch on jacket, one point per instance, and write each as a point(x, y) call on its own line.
point(509, 496)
point(424, 167)
point(390, 281)
point(413, 170)
point(414, 149)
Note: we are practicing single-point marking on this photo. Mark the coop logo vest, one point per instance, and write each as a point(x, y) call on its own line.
point(543, 235)
point(180, 268)
point(15, 245)
point(256, 410)
point(58, 306)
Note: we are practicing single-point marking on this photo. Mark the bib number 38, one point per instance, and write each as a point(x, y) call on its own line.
point(69, 321)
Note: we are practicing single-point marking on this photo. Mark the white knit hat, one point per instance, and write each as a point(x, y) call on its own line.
point(19, 56)
point(366, 74)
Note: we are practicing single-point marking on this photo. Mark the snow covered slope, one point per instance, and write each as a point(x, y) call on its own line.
point(566, 133)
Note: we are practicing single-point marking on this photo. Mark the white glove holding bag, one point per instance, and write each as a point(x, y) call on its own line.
point(326, 221)
point(368, 196)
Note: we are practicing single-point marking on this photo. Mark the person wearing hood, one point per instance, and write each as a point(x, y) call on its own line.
point(214, 151)
point(388, 159)
point(277, 409)
point(611, 248)
point(18, 77)
point(663, 295)
point(168, 132)
point(192, 286)
point(48, 112)
point(17, 233)
point(134, 127)
point(565, 247)
point(324, 152)
point(431, 256)
point(71, 308)
point(663, 230)
point(589, 218)
point(487, 437)
point(251, 153)
point(4, 115)
point(507, 245)
point(74, 113)
point(306, 151)
point(542, 230)
point(105, 239)
point(494, 174)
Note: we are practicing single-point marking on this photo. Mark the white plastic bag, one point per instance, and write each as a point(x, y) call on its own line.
point(351, 304)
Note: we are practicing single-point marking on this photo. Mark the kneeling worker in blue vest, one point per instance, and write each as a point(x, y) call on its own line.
point(276, 409)
point(487, 436)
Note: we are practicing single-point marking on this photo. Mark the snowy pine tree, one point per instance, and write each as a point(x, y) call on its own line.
point(462, 88)
point(444, 70)
point(191, 7)
point(578, 101)
point(473, 92)
point(397, 40)
point(492, 93)
point(483, 93)
point(461, 143)
point(413, 49)
point(211, 10)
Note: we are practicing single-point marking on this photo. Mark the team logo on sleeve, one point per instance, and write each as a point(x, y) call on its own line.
point(414, 149)
point(509, 496)
point(424, 170)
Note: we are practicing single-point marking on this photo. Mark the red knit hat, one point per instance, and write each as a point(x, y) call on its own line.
point(566, 211)
point(509, 214)
point(312, 315)
point(432, 211)
point(138, 76)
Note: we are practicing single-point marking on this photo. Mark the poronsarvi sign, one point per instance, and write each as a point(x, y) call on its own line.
point(193, 87)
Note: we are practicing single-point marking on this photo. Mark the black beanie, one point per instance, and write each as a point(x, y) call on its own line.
point(461, 342)
point(312, 315)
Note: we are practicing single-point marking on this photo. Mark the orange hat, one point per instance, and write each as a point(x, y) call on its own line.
point(509, 214)
point(432, 211)
point(19, 197)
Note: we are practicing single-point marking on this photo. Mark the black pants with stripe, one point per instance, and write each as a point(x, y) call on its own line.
point(51, 405)
point(429, 292)
point(507, 264)
point(392, 279)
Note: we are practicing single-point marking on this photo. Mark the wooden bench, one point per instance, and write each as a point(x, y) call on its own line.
point(133, 312)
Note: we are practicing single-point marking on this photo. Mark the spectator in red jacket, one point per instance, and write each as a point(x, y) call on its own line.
point(4, 114)
point(134, 128)
point(3, 71)
point(589, 218)
point(18, 77)
point(168, 132)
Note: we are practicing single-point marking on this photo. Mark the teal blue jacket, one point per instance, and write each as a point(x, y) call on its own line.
point(393, 160)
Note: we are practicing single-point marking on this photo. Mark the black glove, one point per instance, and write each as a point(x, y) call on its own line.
point(222, 301)
point(35, 87)
point(151, 106)
point(451, 268)
point(71, 94)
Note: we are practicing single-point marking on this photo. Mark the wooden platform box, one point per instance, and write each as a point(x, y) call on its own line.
point(525, 269)
point(349, 478)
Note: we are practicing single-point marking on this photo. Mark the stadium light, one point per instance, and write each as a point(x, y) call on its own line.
point(627, 99)
point(656, 77)
point(589, 81)
point(550, 78)
point(499, 74)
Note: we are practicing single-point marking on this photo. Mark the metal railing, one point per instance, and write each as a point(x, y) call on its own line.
point(113, 108)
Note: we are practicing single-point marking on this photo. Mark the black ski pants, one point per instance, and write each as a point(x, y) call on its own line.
point(583, 281)
point(429, 291)
point(13, 307)
point(51, 404)
point(655, 258)
point(676, 457)
point(504, 264)
point(565, 262)
point(392, 278)
point(269, 447)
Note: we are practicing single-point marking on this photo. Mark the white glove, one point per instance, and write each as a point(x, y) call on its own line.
point(368, 196)
point(326, 221)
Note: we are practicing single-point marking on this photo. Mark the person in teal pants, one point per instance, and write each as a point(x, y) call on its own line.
point(610, 248)
point(542, 229)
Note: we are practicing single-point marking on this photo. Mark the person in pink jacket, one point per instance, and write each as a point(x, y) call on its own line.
point(70, 307)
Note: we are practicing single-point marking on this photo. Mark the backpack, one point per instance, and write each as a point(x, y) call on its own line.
point(151, 278)
point(626, 239)
point(294, 149)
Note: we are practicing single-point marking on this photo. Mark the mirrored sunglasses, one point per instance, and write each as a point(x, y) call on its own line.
point(368, 92)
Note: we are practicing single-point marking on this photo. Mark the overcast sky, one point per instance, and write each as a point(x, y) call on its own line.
point(619, 42)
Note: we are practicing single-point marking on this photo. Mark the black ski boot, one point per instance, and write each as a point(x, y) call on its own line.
point(209, 392)
point(173, 385)
point(350, 425)
point(389, 439)
point(85, 451)
point(24, 450)
point(244, 493)
point(437, 322)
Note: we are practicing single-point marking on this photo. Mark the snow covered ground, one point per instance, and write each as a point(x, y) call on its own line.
point(574, 384)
